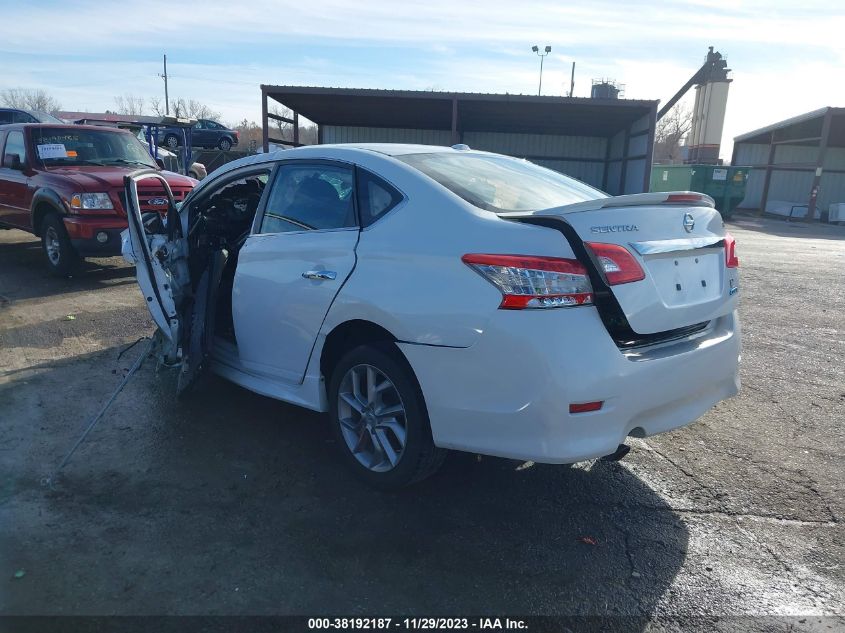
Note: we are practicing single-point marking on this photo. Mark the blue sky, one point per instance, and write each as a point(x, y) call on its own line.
point(787, 56)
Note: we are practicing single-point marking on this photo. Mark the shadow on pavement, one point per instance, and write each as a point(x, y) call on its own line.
point(24, 274)
point(231, 503)
point(782, 228)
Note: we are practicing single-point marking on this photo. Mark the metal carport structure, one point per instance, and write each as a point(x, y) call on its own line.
point(607, 143)
point(800, 160)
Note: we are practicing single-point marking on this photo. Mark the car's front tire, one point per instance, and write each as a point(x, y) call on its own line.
point(172, 141)
point(379, 418)
point(59, 253)
point(224, 144)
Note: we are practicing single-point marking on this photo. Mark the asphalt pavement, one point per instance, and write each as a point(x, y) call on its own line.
point(231, 503)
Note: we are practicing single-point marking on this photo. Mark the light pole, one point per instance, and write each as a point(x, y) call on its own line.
point(547, 50)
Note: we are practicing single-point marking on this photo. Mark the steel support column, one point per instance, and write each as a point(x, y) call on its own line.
point(652, 128)
point(623, 172)
point(265, 132)
point(764, 198)
point(455, 136)
point(817, 177)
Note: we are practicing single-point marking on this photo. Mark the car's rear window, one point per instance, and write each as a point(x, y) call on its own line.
point(500, 183)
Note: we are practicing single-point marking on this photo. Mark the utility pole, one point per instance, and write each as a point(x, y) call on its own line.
point(166, 98)
point(572, 82)
point(547, 50)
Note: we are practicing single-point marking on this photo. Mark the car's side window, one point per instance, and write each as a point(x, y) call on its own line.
point(308, 198)
point(236, 202)
point(14, 145)
point(375, 197)
point(6, 117)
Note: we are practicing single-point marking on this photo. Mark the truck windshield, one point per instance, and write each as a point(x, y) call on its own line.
point(500, 183)
point(80, 146)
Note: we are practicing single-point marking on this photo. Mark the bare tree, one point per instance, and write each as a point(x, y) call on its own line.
point(671, 131)
point(29, 100)
point(156, 106)
point(284, 131)
point(183, 109)
point(250, 135)
point(129, 104)
point(308, 134)
point(191, 109)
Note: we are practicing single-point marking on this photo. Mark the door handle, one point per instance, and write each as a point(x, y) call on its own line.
point(322, 275)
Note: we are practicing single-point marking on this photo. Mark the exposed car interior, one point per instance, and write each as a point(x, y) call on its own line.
point(217, 229)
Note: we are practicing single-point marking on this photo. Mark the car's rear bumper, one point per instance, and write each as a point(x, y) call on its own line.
point(84, 232)
point(509, 394)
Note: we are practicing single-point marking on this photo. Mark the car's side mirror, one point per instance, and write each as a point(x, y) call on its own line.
point(12, 161)
point(160, 163)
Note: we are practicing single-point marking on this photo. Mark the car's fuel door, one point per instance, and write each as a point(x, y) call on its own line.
point(160, 255)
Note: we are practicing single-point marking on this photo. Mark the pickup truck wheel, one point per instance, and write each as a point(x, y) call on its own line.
point(172, 141)
point(225, 144)
point(59, 253)
point(379, 418)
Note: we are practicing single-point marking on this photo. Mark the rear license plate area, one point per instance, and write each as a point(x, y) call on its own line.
point(687, 278)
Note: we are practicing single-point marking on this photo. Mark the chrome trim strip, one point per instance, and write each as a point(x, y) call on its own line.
point(670, 246)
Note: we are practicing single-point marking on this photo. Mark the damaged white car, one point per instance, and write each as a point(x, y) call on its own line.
point(433, 298)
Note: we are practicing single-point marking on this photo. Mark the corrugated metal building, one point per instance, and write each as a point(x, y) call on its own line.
point(607, 143)
point(800, 161)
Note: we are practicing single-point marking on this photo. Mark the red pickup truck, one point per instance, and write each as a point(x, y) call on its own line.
point(64, 183)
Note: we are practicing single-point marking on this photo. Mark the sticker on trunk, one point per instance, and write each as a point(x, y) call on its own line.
point(51, 150)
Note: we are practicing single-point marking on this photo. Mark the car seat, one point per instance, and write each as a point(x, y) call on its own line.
point(317, 204)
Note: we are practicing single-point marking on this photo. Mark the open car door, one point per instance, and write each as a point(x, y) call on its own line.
point(160, 253)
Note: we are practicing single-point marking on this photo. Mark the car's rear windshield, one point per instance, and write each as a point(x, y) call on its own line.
point(500, 183)
point(80, 146)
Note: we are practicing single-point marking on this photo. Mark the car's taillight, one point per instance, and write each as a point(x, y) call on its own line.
point(731, 260)
point(534, 282)
point(617, 263)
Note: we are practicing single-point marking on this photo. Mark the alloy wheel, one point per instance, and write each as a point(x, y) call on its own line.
point(53, 246)
point(372, 418)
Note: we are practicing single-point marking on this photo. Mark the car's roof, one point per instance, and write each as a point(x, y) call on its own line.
point(330, 151)
point(41, 115)
point(70, 126)
point(393, 149)
point(336, 151)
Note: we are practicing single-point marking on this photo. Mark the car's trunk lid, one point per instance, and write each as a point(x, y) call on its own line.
point(678, 240)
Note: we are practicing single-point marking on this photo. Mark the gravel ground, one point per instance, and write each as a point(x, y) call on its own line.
point(231, 503)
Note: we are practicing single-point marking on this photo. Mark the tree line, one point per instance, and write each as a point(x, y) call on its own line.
point(134, 105)
point(250, 131)
point(671, 130)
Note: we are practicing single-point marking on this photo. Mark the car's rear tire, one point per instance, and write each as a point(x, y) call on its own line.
point(59, 253)
point(224, 144)
point(379, 418)
point(172, 141)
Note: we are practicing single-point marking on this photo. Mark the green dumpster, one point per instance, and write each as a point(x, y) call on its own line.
point(724, 183)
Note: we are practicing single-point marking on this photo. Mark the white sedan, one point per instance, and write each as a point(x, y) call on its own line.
point(433, 298)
